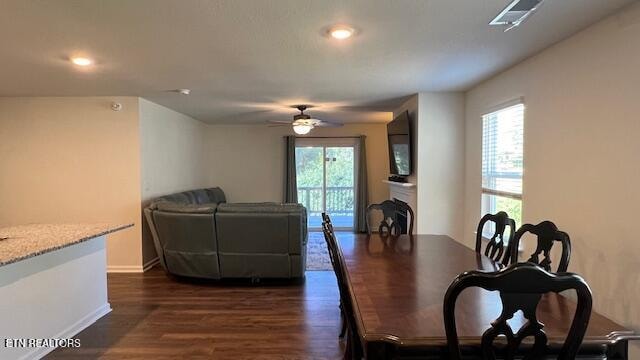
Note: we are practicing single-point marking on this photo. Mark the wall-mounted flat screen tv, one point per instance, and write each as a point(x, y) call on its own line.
point(399, 134)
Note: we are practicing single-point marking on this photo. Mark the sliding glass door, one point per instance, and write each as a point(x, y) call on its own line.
point(326, 171)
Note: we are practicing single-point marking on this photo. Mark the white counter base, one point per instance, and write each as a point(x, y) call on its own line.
point(52, 296)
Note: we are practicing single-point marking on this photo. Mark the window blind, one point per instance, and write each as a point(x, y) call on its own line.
point(502, 151)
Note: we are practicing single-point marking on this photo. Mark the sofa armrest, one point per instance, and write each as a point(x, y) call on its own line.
point(148, 214)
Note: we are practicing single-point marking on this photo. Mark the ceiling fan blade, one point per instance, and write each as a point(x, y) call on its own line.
point(283, 122)
point(278, 125)
point(323, 123)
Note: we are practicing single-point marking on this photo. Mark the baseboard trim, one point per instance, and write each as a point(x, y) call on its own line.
point(72, 330)
point(124, 269)
point(151, 263)
point(114, 269)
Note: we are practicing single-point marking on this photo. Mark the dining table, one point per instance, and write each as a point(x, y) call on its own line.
point(397, 285)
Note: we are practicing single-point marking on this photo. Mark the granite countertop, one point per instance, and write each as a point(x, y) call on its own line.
point(26, 241)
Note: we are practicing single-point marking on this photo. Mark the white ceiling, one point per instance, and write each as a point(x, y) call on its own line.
point(246, 60)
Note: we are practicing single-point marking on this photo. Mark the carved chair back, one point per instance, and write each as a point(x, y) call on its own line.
point(496, 246)
point(389, 224)
point(404, 208)
point(547, 234)
point(327, 220)
point(521, 287)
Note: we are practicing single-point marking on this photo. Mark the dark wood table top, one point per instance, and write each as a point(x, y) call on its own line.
point(398, 285)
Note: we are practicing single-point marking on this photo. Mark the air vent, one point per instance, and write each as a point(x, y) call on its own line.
point(516, 13)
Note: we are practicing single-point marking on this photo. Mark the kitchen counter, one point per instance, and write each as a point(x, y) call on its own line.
point(53, 282)
point(26, 241)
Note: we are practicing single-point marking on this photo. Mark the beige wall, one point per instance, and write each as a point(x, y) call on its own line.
point(72, 160)
point(247, 161)
point(172, 151)
point(581, 153)
point(97, 165)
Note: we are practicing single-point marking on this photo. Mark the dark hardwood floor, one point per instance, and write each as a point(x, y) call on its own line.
point(157, 317)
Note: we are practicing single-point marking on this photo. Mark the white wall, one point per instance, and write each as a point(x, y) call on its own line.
point(173, 157)
point(247, 161)
point(172, 151)
point(581, 153)
point(73, 160)
point(437, 125)
point(441, 163)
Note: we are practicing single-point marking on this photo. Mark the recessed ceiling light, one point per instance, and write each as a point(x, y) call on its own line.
point(81, 61)
point(341, 32)
point(183, 91)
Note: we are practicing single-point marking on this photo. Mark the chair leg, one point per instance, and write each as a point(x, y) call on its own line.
point(343, 323)
point(351, 350)
point(348, 348)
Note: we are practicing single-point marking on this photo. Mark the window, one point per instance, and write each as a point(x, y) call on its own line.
point(502, 162)
point(327, 180)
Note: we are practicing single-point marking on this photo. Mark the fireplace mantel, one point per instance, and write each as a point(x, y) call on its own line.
point(395, 183)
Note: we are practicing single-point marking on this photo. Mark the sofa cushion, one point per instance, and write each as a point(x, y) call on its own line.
point(273, 228)
point(253, 233)
point(186, 208)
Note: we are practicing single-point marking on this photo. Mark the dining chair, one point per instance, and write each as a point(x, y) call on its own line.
point(404, 208)
point(521, 287)
point(329, 238)
point(327, 220)
point(547, 234)
point(495, 248)
point(390, 210)
point(353, 347)
point(388, 224)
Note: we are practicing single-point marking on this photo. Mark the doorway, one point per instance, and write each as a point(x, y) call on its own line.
point(326, 180)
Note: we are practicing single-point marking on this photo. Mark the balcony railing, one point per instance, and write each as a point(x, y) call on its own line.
point(340, 200)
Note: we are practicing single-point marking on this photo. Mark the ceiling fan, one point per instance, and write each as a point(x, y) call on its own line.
point(303, 123)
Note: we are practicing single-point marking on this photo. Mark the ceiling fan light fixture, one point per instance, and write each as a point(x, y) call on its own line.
point(81, 61)
point(341, 32)
point(302, 129)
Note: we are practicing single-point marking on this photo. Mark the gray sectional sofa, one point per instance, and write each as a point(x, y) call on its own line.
point(197, 234)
